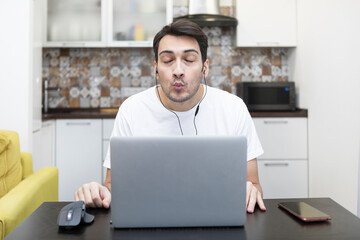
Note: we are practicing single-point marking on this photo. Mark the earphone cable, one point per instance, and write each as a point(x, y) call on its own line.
point(196, 111)
point(198, 107)
point(169, 109)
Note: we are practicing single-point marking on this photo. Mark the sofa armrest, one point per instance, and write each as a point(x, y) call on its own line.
point(27, 164)
point(26, 197)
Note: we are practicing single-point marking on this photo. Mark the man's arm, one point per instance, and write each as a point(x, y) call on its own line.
point(107, 182)
point(253, 188)
point(94, 194)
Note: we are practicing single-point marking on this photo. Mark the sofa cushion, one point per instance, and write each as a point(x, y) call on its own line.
point(10, 162)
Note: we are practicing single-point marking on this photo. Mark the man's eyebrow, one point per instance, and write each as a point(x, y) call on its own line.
point(166, 51)
point(191, 50)
point(185, 51)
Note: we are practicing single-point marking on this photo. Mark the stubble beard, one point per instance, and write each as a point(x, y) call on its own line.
point(180, 98)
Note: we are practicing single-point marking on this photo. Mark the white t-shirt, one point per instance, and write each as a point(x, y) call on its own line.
point(220, 113)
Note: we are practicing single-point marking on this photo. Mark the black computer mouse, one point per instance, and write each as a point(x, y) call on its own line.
point(72, 214)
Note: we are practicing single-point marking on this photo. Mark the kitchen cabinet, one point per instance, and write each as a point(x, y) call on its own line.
point(103, 23)
point(134, 23)
point(266, 23)
point(283, 179)
point(44, 146)
point(78, 154)
point(79, 23)
point(283, 168)
point(82, 144)
point(283, 138)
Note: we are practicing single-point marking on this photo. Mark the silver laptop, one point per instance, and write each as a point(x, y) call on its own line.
point(178, 181)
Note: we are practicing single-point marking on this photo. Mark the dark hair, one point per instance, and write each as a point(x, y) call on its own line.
point(183, 27)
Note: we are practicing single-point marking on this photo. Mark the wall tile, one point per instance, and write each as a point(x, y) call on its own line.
point(104, 77)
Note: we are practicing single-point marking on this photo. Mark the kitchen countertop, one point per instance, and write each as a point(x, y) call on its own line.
point(111, 113)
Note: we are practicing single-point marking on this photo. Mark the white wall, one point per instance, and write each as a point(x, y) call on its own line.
point(328, 79)
point(15, 69)
point(358, 205)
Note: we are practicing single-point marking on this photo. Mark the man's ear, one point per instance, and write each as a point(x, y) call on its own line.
point(155, 69)
point(206, 68)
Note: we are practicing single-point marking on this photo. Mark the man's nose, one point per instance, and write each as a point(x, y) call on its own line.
point(178, 72)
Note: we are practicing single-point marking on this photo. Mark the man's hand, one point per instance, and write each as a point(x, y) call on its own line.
point(94, 195)
point(253, 196)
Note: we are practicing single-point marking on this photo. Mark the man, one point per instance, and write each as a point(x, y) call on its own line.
point(181, 105)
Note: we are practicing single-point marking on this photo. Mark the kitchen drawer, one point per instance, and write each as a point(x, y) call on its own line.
point(108, 125)
point(78, 154)
point(282, 138)
point(284, 179)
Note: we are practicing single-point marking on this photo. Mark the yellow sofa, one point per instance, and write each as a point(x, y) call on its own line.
point(21, 190)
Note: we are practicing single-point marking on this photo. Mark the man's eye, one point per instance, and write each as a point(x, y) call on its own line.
point(189, 61)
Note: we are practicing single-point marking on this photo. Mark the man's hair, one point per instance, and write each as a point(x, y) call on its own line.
point(183, 27)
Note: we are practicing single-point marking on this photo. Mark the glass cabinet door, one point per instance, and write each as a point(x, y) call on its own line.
point(74, 21)
point(137, 21)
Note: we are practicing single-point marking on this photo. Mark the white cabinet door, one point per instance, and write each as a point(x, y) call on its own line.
point(78, 154)
point(266, 23)
point(284, 179)
point(282, 138)
point(283, 168)
point(108, 125)
point(134, 23)
point(68, 23)
point(44, 146)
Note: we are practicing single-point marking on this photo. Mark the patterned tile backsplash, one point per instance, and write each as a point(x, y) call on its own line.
point(104, 77)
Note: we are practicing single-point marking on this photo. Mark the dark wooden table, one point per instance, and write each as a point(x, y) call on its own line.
point(272, 224)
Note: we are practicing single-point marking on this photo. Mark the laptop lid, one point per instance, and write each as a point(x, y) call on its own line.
point(185, 181)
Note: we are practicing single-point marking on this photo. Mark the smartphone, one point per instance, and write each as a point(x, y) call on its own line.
point(304, 211)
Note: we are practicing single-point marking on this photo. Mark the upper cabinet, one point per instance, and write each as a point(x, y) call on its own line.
point(74, 23)
point(266, 23)
point(135, 22)
point(102, 23)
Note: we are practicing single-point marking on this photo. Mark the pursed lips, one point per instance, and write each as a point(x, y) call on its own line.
point(178, 84)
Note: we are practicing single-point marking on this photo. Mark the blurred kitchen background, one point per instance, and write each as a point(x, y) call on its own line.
point(67, 65)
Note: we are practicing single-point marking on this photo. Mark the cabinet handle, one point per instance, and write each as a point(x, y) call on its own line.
point(276, 164)
point(276, 122)
point(46, 125)
point(77, 124)
point(35, 131)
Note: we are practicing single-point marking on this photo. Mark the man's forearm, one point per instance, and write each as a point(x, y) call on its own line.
point(107, 182)
point(107, 185)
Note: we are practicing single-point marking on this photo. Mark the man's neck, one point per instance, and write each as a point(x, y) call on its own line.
point(180, 106)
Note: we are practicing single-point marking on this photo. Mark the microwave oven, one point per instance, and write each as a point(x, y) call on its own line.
point(268, 96)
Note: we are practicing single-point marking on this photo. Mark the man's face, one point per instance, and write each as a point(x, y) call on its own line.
point(180, 68)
